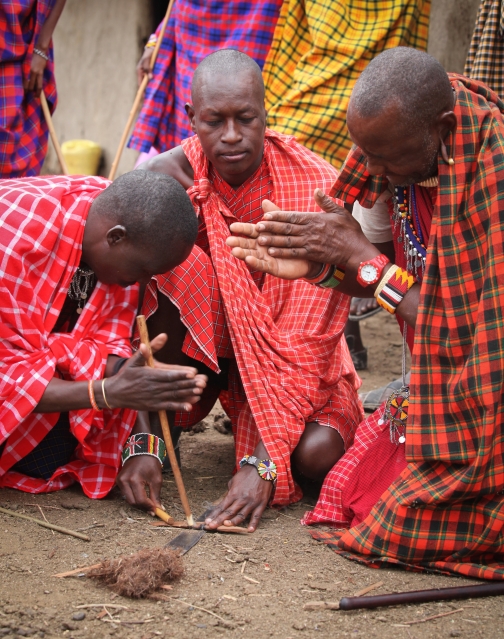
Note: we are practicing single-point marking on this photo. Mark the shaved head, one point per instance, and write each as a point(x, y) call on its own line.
point(228, 114)
point(226, 63)
point(410, 80)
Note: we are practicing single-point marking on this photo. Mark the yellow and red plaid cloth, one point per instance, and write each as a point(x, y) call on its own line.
point(485, 60)
point(287, 336)
point(319, 49)
point(41, 231)
point(445, 512)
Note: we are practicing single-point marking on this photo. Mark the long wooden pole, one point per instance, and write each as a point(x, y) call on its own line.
point(423, 596)
point(52, 132)
point(139, 95)
point(163, 418)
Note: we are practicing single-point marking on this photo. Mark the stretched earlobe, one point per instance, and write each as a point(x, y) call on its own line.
point(444, 154)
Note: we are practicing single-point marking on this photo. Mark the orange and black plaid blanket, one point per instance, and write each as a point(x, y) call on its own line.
point(445, 512)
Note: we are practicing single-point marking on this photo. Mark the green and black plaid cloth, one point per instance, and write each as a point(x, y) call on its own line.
point(319, 49)
point(445, 512)
point(485, 60)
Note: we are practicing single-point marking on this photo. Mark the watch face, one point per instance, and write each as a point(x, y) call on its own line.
point(369, 272)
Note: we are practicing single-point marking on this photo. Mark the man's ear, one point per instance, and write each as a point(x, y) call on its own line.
point(190, 114)
point(116, 234)
point(446, 124)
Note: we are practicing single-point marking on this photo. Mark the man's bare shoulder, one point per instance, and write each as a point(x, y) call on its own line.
point(173, 162)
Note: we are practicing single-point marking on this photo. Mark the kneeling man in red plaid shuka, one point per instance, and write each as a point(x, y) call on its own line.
point(72, 251)
point(277, 347)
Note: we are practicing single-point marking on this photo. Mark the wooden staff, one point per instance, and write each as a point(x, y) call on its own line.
point(45, 524)
point(144, 338)
point(52, 132)
point(140, 92)
point(423, 596)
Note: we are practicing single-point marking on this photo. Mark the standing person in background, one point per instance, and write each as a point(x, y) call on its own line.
point(485, 60)
point(318, 51)
point(195, 30)
point(26, 68)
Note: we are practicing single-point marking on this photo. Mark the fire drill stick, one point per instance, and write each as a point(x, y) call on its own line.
point(144, 338)
point(139, 95)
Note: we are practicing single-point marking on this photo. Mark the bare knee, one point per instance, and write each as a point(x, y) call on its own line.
point(319, 448)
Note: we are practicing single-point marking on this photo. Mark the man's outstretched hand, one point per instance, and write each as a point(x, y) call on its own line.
point(257, 256)
point(248, 495)
point(164, 387)
point(330, 238)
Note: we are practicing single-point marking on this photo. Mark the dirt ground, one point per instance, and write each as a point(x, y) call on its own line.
point(242, 586)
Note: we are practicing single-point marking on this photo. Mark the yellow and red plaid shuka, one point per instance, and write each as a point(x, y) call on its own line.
point(445, 511)
point(319, 49)
point(485, 60)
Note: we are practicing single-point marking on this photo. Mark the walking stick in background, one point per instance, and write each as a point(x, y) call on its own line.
point(52, 132)
point(144, 338)
point(139, 95)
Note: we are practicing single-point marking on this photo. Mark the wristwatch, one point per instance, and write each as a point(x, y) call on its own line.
point(265, 467)
point(370, 272)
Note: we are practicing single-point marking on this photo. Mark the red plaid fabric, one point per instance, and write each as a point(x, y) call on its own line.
point(23, 130)
point(42, 225)
point(197, 29)
point(286, 337)
point(445, 511)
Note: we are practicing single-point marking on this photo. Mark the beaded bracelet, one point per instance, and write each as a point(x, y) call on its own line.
point(91, 394)
point(151, 43)
point(322, 275)
point(334, 279)
point(392, 289)
point(144, 444)
point(41, 54)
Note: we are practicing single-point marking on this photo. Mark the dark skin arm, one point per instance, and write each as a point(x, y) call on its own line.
point(174, 163)
point(293, 245)
point(135, 386)
point(35, 81)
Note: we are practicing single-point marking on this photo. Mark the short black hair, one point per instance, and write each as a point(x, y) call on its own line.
point(411, 79)
point(155, 210)
point(228, 62)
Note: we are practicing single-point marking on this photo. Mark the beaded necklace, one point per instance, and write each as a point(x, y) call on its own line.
point(410, 231)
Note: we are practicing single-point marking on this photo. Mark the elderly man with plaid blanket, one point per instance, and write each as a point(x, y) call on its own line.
point(423, 485)
point(277, 347)
point(72, 249)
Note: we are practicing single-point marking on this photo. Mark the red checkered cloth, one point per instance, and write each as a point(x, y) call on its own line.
point(41, 231)
point(197, 29)
point(445, 511)
point(286, 337)
point(23, 129)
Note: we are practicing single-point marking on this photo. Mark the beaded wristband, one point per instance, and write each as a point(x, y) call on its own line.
point(151, 43)
point(334, 279)
point(41, 54)
point(392, 293)
point(322, 275)
point(91, 394)
point(144, 444)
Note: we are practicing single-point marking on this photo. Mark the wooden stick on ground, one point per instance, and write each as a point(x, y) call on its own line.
point(45, 524)
point(139, 95)
point(52, 133)
point(144, 338)
point(423, 596)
